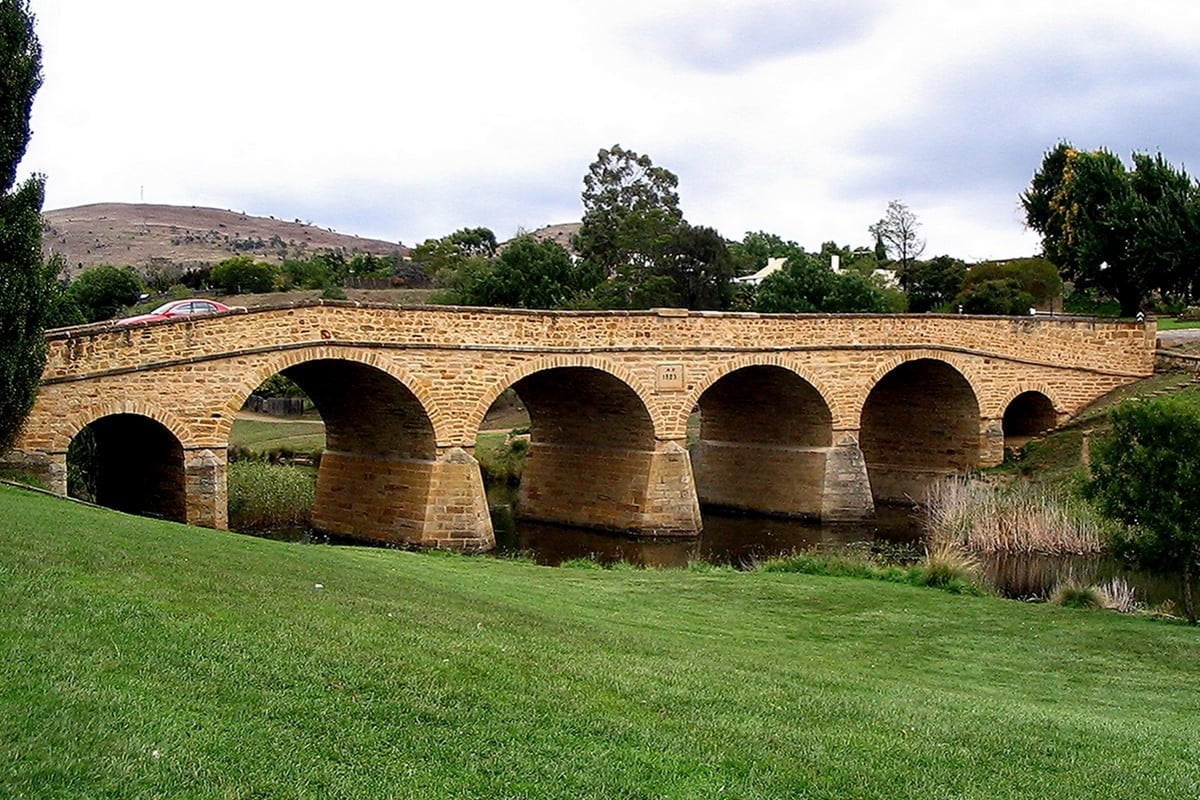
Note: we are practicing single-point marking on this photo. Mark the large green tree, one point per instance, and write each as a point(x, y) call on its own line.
point(751, 253)
point(807, 284)
point(634, 235)
point(27, 287)
point(630, 213)
point(102, 292)
point(1128, 233)
point(700, 267)
point(934, 283)
point(528, 274)
point(1145, 474)
point(244, 275)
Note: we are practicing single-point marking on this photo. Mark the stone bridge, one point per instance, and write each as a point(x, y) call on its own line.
point(802, 415)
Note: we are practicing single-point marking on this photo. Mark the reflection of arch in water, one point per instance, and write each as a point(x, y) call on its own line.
point(131, 463)
point(765, 435)
point(920, 422)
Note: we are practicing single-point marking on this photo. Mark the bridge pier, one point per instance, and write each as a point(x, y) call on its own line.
point(825, 482)
point(846, 491)
point(991, 442)
point(48, 467)
point(648, 492)
point(206, 494)
point(438, 502)
point(456, 515)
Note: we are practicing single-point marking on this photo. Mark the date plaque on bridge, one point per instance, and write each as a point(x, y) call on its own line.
point(669, 378)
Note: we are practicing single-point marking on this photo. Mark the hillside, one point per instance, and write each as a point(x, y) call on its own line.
point(143, 235)
point(147, 659)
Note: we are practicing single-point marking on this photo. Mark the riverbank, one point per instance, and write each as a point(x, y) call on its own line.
point(151, 659)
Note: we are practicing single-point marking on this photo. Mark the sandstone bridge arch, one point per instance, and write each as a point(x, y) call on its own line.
point(808, 415)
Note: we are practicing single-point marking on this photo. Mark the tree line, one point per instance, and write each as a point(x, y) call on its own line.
point(635, 249)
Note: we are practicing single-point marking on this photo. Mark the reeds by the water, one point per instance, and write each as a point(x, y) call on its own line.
point(264, 496)
point(982, 517)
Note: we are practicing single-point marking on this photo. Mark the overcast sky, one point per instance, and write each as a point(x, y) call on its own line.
point(408, 120)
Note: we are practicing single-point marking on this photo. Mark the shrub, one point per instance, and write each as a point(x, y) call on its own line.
point(243, 275)
point(581, 563)
point(263, 496)
point(1035, 277)
point(1144, 475)
point(503, 465)
point(1003, 296)
point(1072, 594)
point(951, 568)
point(957, 574)
point(102, 291)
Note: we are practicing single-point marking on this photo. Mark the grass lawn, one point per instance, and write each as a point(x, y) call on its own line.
point(1168, 324)
point(146, 659)
point(257, 435)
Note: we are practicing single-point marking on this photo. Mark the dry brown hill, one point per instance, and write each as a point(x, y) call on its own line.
point(560, 233)
point(143, 235)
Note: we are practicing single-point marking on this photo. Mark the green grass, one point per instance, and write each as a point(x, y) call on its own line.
point(1167, 324)
point(259, 436)
point(146, 659)
point(1055, 458)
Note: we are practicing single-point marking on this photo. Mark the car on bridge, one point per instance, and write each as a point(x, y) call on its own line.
point(178, 308)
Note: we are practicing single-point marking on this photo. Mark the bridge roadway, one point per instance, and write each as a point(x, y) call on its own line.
point(801, 415)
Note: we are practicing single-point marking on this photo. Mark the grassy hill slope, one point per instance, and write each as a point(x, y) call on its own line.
point(147, 659)
point(141, 235)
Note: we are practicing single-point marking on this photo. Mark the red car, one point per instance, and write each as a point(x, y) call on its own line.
point(178, 308)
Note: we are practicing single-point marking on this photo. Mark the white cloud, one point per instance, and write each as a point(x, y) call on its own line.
point(409, 120)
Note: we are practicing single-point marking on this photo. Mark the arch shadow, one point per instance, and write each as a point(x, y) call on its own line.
point(763, 442)
point(919, 423)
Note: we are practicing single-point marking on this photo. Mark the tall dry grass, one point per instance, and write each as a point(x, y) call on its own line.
point(1019, 519)
point(264, 496)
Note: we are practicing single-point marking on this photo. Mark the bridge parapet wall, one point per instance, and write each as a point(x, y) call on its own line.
point(1111, 346)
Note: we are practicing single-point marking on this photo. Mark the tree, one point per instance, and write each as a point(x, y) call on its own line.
point(699, 265)
point(475, 241)
point(897, 231)
point(309, 273)
point(751, 254)
point(995, 296)
point(244, 275)
point(1126, 232)
point(1144, 473)
point(1036, 277)
point(934, 283)
point(630, 213)
point(101, 292)
point(807, 284)
point(27, 283)
point(528, 274)
point(443, 258)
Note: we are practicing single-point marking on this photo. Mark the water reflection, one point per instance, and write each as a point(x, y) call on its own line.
point(1030, 576)
point(742, 540)
point(739, 540)
point(896, 535)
